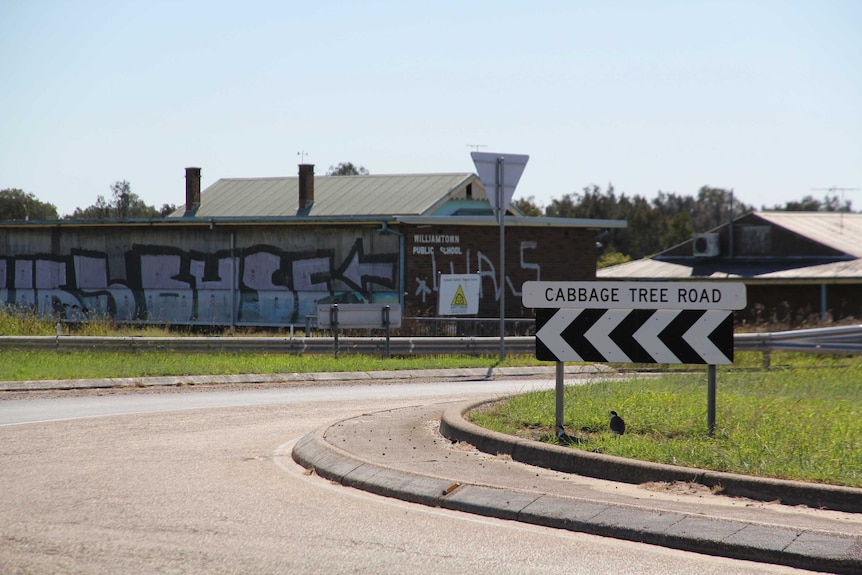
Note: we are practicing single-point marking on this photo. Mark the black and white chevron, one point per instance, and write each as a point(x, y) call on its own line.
point(635, 335)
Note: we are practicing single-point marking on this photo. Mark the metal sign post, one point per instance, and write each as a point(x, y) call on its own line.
point(500, 173)
point(558, 392)
point(710, 399)
point(502, 220)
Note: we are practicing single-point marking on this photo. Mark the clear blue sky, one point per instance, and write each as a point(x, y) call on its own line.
point(761, 96)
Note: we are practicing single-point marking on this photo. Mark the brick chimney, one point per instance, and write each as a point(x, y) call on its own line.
point(193, 189)
point(306, 186)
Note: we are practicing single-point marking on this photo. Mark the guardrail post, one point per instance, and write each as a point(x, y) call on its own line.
point(386, 327)
point(333, 322)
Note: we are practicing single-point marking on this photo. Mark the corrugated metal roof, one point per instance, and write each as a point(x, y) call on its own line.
point(784, 270)
point(839, 231)
point(646, 268)
point(414, 194)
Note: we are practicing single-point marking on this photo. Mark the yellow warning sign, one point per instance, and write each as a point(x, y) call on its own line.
point(458, 294)
point(460, 300)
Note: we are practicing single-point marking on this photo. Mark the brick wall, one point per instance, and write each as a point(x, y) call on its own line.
point(546, 254)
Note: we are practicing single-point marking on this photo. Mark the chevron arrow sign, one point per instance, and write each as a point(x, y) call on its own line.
point(635, 335)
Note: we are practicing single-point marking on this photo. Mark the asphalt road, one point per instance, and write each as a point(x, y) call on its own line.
point(201, 481)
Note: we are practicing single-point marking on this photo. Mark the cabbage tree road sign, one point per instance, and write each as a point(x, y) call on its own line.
point(635, 336)
point(634, 295)
point(635, 322)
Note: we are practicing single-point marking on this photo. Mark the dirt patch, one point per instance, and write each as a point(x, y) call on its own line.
point(678, 488)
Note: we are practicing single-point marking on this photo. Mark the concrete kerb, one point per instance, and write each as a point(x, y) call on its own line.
point(455, 427)
point(313, 452)
point(254, 378)
point(793, 547)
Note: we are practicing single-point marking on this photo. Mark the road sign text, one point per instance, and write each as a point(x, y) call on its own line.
point(634, 295)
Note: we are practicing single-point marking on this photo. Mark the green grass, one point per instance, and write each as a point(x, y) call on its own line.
point(798, 421)
point(15, 321)
point(18, 365)
point(38, 365)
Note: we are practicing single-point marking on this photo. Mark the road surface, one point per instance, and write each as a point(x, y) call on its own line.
point(200, 481)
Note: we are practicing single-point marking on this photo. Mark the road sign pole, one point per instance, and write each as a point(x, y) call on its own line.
point(491, 169)
point(560, 387)
point(501, 218)
point(710, 400)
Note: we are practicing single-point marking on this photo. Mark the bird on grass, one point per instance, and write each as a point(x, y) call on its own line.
point(618, 426)
point(562, 436)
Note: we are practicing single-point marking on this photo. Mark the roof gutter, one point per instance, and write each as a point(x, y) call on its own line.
point(525, 221)
point(370, 219)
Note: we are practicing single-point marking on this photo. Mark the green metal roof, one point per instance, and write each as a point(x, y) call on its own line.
point(392, 195)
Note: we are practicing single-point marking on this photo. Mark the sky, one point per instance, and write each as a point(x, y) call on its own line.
point(763, 97)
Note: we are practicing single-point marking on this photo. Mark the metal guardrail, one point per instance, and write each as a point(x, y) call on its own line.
point(403, 346)
point(843, 339)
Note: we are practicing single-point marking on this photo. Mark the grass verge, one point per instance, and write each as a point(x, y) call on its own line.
point(797, 421)
point(46, 365)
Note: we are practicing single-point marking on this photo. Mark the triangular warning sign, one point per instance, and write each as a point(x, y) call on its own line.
point(460, 300)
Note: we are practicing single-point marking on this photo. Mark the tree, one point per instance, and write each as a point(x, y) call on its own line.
point(15, 205)
point(346, 169)
point(809, 203)
point(640, 238)
point(593, 203)
point(528, 206)
point(124, 204)
point(653, 226)
point(678, 231)
point(713, 209)
point(611, 258)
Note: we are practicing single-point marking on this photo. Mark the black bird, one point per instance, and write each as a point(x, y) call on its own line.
point(618, 426)
point(563, 437)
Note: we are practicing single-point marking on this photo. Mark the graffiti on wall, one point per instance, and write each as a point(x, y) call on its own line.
point(166, 284)
point(449, 245)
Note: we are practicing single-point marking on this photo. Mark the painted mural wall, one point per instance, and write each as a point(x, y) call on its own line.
point(270, 275)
